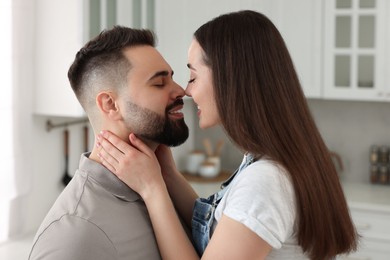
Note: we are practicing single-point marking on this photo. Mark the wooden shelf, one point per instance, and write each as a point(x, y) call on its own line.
point(222, 176)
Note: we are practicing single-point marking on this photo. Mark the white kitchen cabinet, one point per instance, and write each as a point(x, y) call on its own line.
point(62, 28)
point(374, 228)
point(299, 22)
point(370, 210)
point(356, 60)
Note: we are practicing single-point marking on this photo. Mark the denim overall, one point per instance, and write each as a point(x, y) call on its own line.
point(204, 209)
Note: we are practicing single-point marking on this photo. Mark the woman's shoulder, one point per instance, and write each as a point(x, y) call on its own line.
point(262, 198)
point(264, 170)
point(263, 178)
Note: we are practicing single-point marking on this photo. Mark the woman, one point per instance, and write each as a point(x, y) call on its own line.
point(285, 200)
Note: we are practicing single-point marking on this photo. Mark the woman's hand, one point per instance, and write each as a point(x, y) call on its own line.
point(135, 164)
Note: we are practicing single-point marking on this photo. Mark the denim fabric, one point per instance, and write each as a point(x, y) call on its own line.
point(204, 208)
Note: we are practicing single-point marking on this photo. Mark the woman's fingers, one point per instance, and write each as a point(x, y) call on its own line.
point(115, 146)
point(106, 164)
point(107, 159)
point(135, 163)
point(116, 154)
point(110, 150)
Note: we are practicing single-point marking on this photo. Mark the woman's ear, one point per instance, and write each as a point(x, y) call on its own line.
point(107, 104)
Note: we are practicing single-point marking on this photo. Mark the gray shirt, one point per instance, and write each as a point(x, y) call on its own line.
point(96, 217)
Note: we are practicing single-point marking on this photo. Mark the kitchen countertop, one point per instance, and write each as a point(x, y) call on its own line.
point(367, 196)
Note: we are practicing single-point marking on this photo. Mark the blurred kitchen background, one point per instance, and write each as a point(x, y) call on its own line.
point(341, 50)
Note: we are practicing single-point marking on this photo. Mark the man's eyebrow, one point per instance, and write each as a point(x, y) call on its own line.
point(162, 73)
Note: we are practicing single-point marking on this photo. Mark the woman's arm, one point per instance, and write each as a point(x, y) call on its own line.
point(138, 167)
point(180, 191)
point(171, 237)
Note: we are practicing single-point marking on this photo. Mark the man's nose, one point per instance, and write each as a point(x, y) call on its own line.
point(178, 90)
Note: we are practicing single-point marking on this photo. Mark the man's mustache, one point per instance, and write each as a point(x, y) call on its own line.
point(177, 102)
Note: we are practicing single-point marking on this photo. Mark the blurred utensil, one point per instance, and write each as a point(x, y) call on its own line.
point(208, 147)
point(86, 138)
point(337, 158)
point(218, 148)
point(66, 177)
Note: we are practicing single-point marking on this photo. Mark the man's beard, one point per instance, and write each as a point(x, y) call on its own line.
point(150, 125)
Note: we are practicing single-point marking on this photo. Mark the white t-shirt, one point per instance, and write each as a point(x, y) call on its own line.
point(262, 198)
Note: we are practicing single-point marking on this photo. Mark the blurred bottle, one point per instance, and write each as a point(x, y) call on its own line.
point(374, 173)
point(374, 154)
point(384, 154)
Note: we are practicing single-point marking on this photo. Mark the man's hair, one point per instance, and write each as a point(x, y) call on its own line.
point(101, 63)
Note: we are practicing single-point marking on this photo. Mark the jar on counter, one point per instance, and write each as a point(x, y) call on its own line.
point(384, 154)
point(194, 160)
point(384, 174)
point(374, 154)
point(374, 173)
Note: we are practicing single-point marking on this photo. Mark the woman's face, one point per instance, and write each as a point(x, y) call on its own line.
point(200, 87)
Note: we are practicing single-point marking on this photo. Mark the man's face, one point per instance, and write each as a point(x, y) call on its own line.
point(153, 101)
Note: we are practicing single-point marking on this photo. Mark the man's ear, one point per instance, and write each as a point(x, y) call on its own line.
point(107, 104)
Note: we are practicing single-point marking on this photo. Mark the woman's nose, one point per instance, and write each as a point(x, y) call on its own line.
point(188, 91)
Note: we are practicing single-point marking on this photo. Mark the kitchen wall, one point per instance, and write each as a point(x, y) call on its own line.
point(350, 128)
point(49, 165)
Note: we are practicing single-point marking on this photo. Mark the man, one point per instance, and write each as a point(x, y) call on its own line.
point(125, 86)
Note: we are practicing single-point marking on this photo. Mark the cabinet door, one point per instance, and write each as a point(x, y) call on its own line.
point(374, 228)
point(354, 49)
point(300, 23)
point(59, 35)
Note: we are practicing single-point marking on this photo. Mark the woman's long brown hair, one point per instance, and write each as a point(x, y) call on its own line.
point(264, 111)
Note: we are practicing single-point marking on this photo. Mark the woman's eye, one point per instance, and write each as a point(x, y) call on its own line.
point(191, 81)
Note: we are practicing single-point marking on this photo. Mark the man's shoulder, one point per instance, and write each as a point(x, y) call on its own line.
point(71, 237)
point(86, 212)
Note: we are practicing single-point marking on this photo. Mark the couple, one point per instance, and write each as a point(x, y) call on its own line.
point(284, 201)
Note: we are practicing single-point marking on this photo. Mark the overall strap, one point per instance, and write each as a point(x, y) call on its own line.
point(248, 159)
